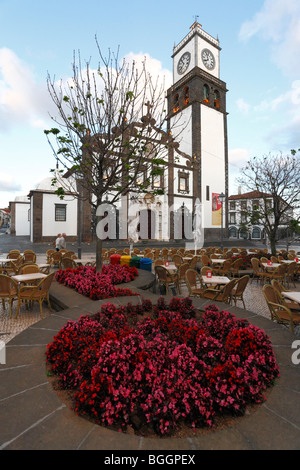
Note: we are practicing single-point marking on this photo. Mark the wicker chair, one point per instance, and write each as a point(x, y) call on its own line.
point(181, 280)
point(8, 291)
point(13, 254)
point(29, 256)
point(28, 269)
point(280, 313)
point(221, 295)
point(194, 283)
point(291, 273)
point(159, 262)
point(239, 289)
point(68, 263)
point(49, 254)
point(177, 259)
point(38, 293)
point(283, 300)
point(235, 267)
point(258, 273)
point(193, 262)
point(204, 260)
point(165, 278)
point(55, 259)
point(279, 273)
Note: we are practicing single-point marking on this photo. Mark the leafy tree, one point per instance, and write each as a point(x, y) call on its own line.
point(103, 136)
point(277, 178)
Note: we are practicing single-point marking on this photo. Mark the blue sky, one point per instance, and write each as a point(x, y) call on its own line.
point(260, 64)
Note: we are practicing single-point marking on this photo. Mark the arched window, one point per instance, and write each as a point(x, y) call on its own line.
point(176, 104)
point(232, 232)
point(256, 233)
point(186, 95)
point(243, 233)
point(217, 99)
point(206, 94)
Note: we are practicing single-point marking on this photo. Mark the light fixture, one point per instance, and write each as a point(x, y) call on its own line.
point(222, 198)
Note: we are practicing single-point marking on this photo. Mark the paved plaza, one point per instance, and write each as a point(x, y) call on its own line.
point(33, 416)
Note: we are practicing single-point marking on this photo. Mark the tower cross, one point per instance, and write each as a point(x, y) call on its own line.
point(149, 106)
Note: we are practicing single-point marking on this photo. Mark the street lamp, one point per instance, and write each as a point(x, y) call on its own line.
point(222, 198)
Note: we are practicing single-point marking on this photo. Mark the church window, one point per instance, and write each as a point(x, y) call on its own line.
point(206, 94)
point(141, 178)
point(157, 178)
point(217, 99)
point(186, 95)
point(207, 193)
point(176, 103)
point(60, 212)
point(183, 182)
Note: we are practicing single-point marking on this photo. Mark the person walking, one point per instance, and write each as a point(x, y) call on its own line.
point(56, 243)
point(62, 242)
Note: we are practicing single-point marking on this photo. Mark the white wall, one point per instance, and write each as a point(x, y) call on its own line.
point(52, 227)
point(213, 157)
point(22, 220)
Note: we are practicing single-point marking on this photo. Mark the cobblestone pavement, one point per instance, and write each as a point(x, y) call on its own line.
point(10, 327)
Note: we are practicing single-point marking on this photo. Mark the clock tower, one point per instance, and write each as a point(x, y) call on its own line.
point(197, 103)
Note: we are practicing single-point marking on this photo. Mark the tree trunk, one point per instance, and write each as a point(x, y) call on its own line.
point(99, 241)
point(98, 254)
point(273, 244)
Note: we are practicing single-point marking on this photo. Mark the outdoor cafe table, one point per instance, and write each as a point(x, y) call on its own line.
point(5, 260)
point(295, 296)
point(216, 280)
point(217, 260)
point(28, 277)
point(270, 266)
point(171, 267)
point(289, 261)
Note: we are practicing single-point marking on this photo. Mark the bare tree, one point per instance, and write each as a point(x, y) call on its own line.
point(277, 178)
point(112, 127)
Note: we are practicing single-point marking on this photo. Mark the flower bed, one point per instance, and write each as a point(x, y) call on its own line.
point(98, 285)
point(163, 369)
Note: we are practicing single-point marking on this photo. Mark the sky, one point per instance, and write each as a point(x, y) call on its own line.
point(260, 63)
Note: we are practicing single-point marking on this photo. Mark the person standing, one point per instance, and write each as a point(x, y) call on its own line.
point(56, 243)
point(62, 242)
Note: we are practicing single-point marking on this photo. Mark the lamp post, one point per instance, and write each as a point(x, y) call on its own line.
point(222, 198)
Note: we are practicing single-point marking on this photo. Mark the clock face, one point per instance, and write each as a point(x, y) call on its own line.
point(183, 63)
point(208, 59)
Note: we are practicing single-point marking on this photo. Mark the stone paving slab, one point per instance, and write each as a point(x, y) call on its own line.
point(32, 415)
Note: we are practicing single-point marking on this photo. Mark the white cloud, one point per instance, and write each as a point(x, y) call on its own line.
point(279, 23)
point(22, 98)
point(243, 106)
point(238, 158)
point(8, 184)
